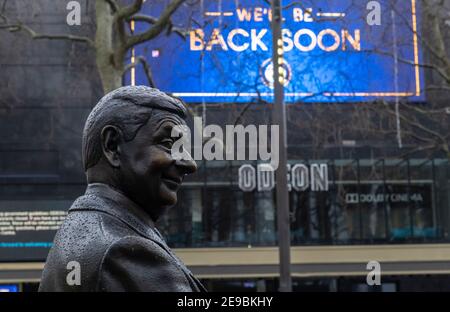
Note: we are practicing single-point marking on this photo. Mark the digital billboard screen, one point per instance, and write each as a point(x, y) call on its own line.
point(9, 288)
point(27, 228)
point(334, 51)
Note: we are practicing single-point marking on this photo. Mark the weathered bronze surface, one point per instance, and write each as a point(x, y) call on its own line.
point(132, 179)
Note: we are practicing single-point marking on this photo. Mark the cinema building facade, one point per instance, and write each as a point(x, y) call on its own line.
point(354, 197)
point(359, 209)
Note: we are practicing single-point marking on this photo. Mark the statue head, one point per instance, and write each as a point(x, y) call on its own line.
point(127, 144)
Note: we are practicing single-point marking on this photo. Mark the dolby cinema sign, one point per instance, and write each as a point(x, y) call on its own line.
point(301, 177)
point(334, 51)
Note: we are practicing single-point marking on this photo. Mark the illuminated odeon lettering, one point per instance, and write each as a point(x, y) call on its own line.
point(304, 40)
point(300, 177)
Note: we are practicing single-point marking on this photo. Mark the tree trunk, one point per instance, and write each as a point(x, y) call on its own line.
point(110, 72)
point(436, 39)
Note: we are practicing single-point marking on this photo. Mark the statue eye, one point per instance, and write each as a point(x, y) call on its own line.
point(167, 143)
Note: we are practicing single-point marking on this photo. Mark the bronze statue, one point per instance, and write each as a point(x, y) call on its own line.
point(109, 237)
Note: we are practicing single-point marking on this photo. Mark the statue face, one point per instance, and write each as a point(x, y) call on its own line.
point(149, 174)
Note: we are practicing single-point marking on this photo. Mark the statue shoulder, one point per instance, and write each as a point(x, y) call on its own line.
point(135, 263)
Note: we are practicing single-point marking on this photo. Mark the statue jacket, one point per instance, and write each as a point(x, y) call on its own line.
point(108, 243)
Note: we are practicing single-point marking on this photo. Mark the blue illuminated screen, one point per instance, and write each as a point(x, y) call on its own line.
point(334, 51)
point(9, 288)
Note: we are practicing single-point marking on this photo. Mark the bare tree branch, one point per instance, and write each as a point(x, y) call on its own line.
point(128, 11)
point(152, 20)
point(418, 125)
point(143, 18)
point(158, 27)
point(34, 35)
point(113, 4)
point(436, 68)
point(436, 45)
point(434, 88)
point(147, 70)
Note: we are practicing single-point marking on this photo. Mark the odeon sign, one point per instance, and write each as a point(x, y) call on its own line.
point(300, 177)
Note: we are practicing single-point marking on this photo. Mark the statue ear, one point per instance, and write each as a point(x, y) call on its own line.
point(111, 138)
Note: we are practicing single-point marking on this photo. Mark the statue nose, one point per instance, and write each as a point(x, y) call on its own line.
point(186, 166)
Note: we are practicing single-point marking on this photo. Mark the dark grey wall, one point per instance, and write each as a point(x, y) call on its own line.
point(47, 88)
